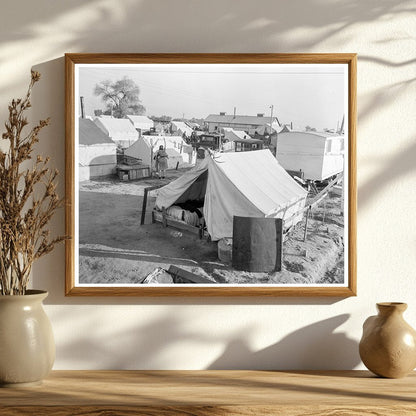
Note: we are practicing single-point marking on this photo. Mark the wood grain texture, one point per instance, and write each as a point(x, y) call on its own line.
point(352, 174)
point(195, 290)
point(210, 58)
point(213, 393)
point(210, 411)
point(69, 174)
point(198, 291)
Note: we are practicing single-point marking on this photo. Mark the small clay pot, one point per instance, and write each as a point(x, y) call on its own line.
point(388, 344)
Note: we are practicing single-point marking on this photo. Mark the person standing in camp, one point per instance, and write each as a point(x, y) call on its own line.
point(161, 158)
point(200, 155)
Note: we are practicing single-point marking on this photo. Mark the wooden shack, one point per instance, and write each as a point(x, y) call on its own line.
point(247, 145)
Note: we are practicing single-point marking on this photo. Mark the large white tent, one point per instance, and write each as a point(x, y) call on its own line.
point(248, 184)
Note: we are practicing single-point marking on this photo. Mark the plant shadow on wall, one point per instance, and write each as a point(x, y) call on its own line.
point(130, 18)
point(396, 167)
point(131, 346)
point(315, 346)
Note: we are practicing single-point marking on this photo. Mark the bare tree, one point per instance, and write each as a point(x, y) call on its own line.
point(121, 97)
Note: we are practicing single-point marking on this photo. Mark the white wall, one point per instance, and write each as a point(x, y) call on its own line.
point(193, 333)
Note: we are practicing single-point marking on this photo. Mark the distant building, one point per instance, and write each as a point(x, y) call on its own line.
point(247, 145)
point(247, 123)
point(120, 130)
point(97, 152)
point(141, 123)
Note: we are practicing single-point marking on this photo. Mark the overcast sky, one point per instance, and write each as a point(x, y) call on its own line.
point(307, 94)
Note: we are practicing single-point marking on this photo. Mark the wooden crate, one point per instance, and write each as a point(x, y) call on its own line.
point(167, 221)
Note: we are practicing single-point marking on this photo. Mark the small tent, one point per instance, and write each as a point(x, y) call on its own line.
point(146, 147)
point(230, 135)
point(248, 184)
point(141, 123)
point(120, 130)
point(180, 128)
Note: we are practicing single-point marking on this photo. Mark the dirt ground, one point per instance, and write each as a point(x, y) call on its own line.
point(114, 248)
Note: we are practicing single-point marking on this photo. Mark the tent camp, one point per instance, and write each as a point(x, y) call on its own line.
point(248, 184)
point(176, 148)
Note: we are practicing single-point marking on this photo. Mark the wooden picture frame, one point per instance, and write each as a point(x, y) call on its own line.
point(74, 64)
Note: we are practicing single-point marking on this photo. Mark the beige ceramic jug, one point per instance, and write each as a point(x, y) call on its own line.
point(388, 344)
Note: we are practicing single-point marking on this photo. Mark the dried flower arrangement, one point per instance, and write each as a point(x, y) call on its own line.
point(28, 199)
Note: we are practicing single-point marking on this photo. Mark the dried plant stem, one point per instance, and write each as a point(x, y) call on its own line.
point(23, 217)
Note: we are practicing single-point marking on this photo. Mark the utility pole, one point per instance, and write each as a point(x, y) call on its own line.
point(82, 107)
point(342, 125)
point(271, 123)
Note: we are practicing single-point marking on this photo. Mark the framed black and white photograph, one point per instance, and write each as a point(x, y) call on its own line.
point(211, 174)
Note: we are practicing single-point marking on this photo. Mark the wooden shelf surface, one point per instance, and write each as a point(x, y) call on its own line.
point(204, 393)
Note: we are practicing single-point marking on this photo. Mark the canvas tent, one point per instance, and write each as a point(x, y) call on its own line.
point(141, 123)
point(248, 184)
point(146, 146)
point(97, 152)
point(180, 128)
point(120, 130)
point(230, 135)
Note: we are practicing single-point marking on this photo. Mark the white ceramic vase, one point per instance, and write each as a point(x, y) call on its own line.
point(27, 347)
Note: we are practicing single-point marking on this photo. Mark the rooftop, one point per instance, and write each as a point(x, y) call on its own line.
point(239, 119)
